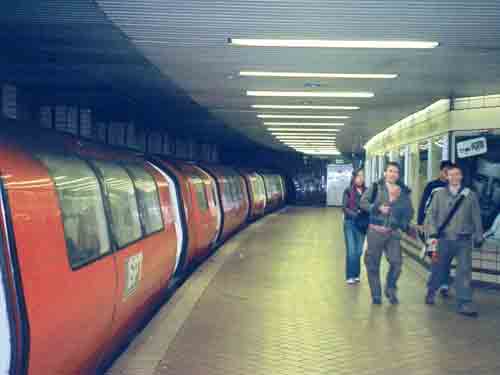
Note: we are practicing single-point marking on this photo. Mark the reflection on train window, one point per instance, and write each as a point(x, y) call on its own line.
point(147, 197)
point(201, 195)
point(84, 220)
point(120, 194)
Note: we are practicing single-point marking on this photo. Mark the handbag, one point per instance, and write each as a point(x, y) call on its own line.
point(363, 219)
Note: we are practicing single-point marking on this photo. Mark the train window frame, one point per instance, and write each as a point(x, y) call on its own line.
point(64, 212)
point(97, 170)
point(128, 168)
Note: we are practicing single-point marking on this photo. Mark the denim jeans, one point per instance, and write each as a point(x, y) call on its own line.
point(449, 249)
point(354, 239)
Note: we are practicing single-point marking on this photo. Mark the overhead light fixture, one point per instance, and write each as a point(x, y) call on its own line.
point(303, 123)
point(302, 137)
point(318, 107)
point(311, 130)
point(311, 94)
point(316, 148)
point(298, 134)
point(304, 117)
point(316, 75)
point(304, 43)
point(310, 143)
point(319, 152)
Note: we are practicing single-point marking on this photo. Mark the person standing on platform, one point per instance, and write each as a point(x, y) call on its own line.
point(455, 228)
point(389, 205)
point(354, 226)
point(425, 202)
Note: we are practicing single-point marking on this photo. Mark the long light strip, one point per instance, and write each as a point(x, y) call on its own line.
point(316, 143)
point(310, 94)
point(319, 152)
point(319, 107)
point(304, 117)
point(312, 130)
point(315, 148)
point(303, 137)
point(331, 43)
point(279, 123)
point(290, 135)
point(316, 75)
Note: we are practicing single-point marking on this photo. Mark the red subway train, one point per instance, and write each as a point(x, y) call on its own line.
point(92, 237)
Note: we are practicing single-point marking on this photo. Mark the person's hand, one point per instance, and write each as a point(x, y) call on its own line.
point(435, 256)
point(384, 209)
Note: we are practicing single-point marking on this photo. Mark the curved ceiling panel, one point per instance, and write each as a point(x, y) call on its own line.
point(187, 41)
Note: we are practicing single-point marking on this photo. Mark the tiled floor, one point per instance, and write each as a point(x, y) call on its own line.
point(273, 301)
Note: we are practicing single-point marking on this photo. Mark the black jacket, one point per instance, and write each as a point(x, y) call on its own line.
point(350, 214)
point(429, 188)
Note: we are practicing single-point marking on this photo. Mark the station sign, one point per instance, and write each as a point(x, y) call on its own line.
point(472, 147)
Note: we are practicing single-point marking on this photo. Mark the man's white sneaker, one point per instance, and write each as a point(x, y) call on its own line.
point(351, 281)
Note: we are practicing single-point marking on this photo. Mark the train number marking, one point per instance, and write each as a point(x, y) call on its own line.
point(133, 274)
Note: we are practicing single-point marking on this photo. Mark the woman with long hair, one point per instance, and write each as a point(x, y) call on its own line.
point(354, 230)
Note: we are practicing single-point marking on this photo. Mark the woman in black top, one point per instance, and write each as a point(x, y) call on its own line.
point(354, 231)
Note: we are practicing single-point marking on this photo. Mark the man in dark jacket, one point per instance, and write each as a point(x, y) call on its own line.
point(425, 202)
point(390, 209)
point(456, 231)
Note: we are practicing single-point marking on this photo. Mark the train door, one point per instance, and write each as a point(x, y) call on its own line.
point(176, 206)
point(217, 208)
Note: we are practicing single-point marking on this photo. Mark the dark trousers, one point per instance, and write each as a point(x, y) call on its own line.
point(378, 244)
point(354, 239)
point(449, 249)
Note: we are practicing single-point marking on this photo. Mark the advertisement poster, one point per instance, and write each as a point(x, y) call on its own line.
point(479, 157)
point(338, 179)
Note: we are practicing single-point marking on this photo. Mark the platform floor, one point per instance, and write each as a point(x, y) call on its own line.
point(273, 300)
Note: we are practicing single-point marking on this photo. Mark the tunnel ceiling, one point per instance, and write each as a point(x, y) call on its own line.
point(63, 50)
point(173, 60)
point(187, 40)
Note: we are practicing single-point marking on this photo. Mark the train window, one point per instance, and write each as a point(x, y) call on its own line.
point(84, 220)
point(230, 190)
point(237, 188)
point(201, 194)
point(120, 195)
point(423, 169)
point(147, 198)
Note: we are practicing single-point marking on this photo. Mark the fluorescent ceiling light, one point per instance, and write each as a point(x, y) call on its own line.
point(315, 94)
point(319, 107)
point(331, 43)
point(286, 135)
point(303, 117)
point(319, 152)
point(311, 143)
point(317, 75)
point(302, 137)
point(304, 123)
point(311, 130)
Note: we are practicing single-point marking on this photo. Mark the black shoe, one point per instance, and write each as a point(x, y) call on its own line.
point(392, 296)
point(445, 292)
point(467, 309)
point(429, 298)
point(377, 300)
